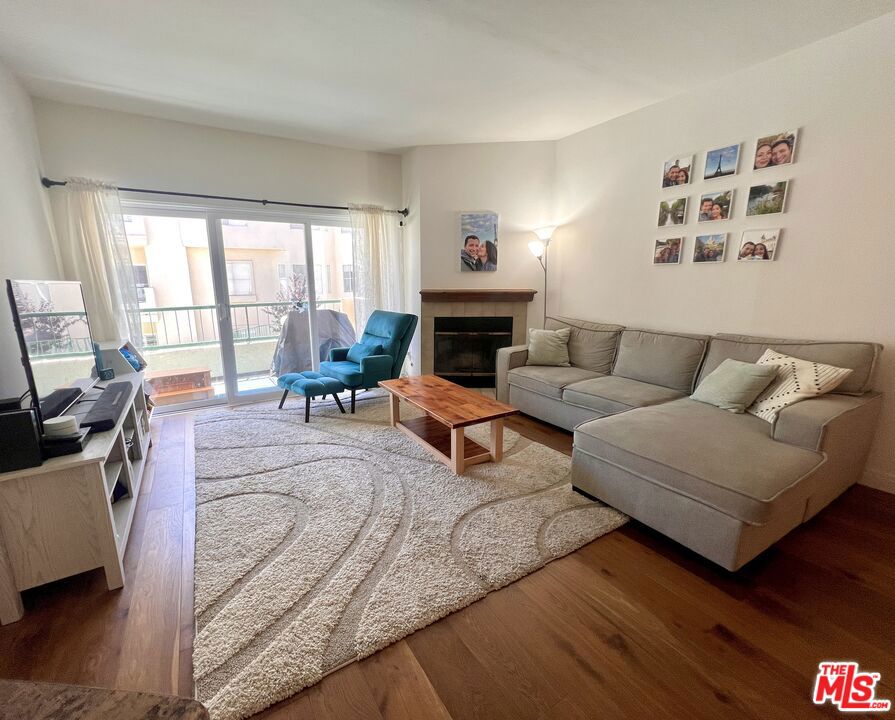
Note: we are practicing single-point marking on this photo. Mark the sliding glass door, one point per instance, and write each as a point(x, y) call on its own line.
point(175, 289)
point(234, 299)
point(266, 297)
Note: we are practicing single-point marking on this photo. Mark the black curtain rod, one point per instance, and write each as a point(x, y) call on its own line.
point(47, 183)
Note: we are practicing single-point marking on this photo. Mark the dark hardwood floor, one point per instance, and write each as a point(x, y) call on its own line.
point(630, 626)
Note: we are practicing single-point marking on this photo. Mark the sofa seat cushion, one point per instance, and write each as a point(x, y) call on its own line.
point(613, 394)
point(724, 460)
point(548, 381)
point(344, 370)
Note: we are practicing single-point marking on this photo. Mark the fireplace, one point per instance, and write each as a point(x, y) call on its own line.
point(466, 348)
point(491, 310)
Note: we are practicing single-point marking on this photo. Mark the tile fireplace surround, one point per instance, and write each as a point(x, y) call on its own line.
point(471, 303)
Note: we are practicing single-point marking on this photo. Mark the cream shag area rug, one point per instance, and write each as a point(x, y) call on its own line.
point(319, 544)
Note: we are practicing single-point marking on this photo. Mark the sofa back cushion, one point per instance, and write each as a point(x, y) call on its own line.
point(860, 357)
point(667, 359)
point(591, 345)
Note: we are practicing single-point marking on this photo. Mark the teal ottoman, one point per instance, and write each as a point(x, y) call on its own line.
point(310, 384)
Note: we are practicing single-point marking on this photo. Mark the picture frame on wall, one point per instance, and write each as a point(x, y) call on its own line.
point(759, 245)
point(767, 199)
point(672, 212)
point(775, 150)
point(668, 251)
point(478, 241)
point(716, 206)
point(721, 162)
point(677, 171)
point(710, 248)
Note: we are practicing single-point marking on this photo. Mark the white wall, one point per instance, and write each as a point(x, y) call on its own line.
point(835, 276)
point(27, 249)
point(513, 179)
point(139, 151)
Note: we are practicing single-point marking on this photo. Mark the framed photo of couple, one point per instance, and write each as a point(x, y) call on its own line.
point(676, 171)
point(759, 245)
point(715, 206)
point(775, 150)
point(668, 251)
point(478, 241)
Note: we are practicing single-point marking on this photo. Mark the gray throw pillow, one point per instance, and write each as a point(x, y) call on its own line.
point(734, 385)
point(548, 347)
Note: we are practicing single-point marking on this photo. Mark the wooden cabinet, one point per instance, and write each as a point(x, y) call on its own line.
point(59, 519)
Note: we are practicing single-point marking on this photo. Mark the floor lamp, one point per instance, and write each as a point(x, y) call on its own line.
point(539, 250)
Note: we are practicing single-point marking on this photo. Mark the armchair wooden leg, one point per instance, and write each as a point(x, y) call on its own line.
point(339, 403)
point(283, 399)
point(353, 391)
point(307, 408)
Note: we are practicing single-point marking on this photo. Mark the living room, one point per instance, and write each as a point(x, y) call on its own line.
point(524, 581)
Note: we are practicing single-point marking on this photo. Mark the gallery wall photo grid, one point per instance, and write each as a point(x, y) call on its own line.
point(763, 194)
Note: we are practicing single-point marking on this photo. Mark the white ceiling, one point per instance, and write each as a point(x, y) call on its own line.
point(388, 74)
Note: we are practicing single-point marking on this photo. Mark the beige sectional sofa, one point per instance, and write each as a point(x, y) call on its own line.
point(725, 485)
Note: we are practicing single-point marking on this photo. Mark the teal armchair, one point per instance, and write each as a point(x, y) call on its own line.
point(392, 332)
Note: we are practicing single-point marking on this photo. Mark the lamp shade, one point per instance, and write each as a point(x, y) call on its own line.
point(545, 233)
point(537, 247)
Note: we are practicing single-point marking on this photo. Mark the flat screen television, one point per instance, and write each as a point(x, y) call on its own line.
point(51, 322)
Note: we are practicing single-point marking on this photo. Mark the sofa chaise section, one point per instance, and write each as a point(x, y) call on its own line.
point(730, 485)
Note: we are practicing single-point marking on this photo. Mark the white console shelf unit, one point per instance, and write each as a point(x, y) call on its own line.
point(58, 519)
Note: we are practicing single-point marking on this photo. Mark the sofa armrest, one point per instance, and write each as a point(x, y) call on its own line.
point(507, 359)
point(338, 354)
point(375, 368)
point(808, 422)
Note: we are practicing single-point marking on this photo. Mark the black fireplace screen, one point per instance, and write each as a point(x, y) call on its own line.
point(466, 348)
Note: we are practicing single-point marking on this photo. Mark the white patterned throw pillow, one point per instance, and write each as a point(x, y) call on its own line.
point(796, 380)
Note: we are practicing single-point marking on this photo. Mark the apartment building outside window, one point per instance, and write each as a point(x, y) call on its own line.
point(286, 270)
point(348, 279)
point(240, 278)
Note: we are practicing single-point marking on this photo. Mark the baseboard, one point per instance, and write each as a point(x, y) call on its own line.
point(879, 479)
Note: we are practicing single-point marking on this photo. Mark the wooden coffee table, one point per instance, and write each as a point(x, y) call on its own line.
point(449, 409)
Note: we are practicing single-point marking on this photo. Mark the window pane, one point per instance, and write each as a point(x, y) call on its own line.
point(240, 278)
point(177, 316)
point(267, 278)
point(335, 305)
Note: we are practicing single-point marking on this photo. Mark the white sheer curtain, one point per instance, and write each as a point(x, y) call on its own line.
point(378, 261)
point(94, 250)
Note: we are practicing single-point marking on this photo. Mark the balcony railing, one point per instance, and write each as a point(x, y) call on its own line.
point(164, 327)
point(195, 325)
point(50, 333)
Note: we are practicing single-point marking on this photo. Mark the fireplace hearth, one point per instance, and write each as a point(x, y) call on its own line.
point(466, 348)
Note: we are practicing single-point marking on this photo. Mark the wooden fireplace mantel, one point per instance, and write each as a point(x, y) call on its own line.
point(478, 295)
